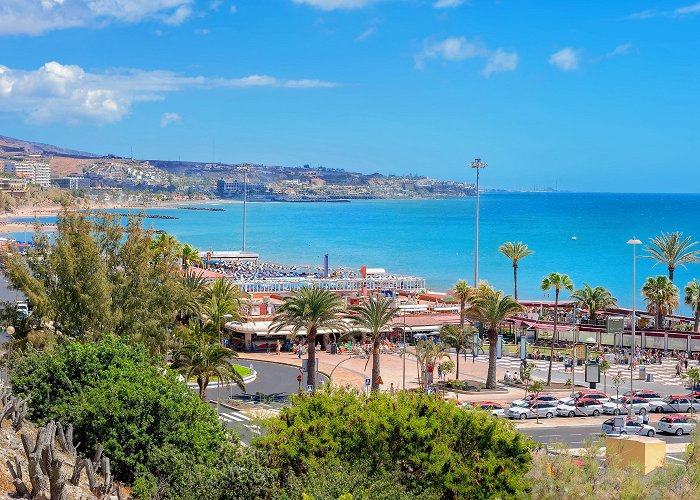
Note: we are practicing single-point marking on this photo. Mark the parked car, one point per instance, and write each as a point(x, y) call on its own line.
point(677, 424)
point(622, 406)
point(631, 427)
point(582, 407)
point(496, 409)
point(651, 396)
point(537, 409)
point(600, 396)
point(532, 397)
point(674, 404)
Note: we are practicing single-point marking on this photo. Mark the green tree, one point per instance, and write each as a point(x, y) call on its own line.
point(310, 309)
point(459, 338)
point(491, 307)
point(515, 251)
point(195, 289)
point(375, 315)
point(594, 299)
point(462, 292)
point(203, 359)
point(661, 296)
point(428, 356)
point(441, 450)
point(526, 374)
point(559, 282)
point(604, 367)
point(672, 250)
point(222, 302)
point(189, 255)
point(692, 298)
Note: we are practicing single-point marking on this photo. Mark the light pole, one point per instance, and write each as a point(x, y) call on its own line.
point(634, 242)
point(403, 355)
point(244, 169)
point(478, 165)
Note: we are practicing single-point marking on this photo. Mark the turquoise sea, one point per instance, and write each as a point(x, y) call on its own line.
point(435, 238)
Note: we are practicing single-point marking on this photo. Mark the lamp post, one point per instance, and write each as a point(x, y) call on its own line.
point(403, 355)
point(244, 169)
point(478, 165)
point(634, 242)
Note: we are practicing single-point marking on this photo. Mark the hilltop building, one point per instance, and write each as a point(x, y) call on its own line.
point(72, 182)
point(33, 167)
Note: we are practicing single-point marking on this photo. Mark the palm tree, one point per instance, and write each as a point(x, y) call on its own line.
point(462, 292)
point(491, 307)
point(559, 282)
point(222, 301)
point(458, 337)
point(673, 250)
point(194, 289)
point(310, 309)
point(594, 299)
point(515, 251)
point(189, 255)
point(661, 296)
point(374, 315)
point(428, 353)
point(692, 298)
point(198, 357)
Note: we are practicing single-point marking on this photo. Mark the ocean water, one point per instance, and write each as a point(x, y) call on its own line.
point(435, 238)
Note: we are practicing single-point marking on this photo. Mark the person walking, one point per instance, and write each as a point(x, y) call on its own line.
point(278, 347)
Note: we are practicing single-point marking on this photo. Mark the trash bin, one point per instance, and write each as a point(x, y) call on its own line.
point(642, 373)
point(334, 348)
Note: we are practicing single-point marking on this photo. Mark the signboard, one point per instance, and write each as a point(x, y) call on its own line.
point(580, 351)
point(309, 388)
point(592, 373)
point(499, 347)
point(523, 347)
point(379, 380)
point(298, 378)
point(615, 325)
point(368, 382)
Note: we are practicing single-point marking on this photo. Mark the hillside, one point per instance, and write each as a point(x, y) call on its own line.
point(11, 145)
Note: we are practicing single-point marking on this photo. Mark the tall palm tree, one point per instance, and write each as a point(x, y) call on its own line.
point(559, 282)
point(515, 251)
point(458, 337)
point(223, 301)
point(189, 255)
point(661, 296)
point(195, 288)
point(594, 299)
point(461, 292)
point(374, 315)
point(692, 298)
point(200, 358)
point(310, 309)
point(491, 307)
point(673, 250)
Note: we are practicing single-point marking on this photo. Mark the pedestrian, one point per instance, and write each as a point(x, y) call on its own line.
point(640, 418)
point(278, 348)
point(645, 418)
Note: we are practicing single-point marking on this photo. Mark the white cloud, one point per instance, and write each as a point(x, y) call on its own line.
point(170, 119)
point(335, 4)
point(447, 4)
point(34, 17)
point(566, 59)
point(499, 62)
point(366, 34)
point(233, 9)
point(69, 94)
point(461, 49)
point(685, 11)
point(621, 50)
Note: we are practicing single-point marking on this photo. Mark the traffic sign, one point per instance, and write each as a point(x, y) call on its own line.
point(379, 380)
point(368, 382)
point(309, 388)
point(298, 378)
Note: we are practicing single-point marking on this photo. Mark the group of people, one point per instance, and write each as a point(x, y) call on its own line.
point(514, 378)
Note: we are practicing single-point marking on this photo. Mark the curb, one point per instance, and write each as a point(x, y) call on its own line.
point(246, 380)
point(281, 362)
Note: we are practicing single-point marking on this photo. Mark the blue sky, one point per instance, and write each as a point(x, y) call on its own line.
point(588, 96)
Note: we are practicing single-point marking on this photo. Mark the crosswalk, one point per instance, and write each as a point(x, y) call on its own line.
point(231, 417)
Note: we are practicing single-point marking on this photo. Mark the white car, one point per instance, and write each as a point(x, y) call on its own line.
point(527, 400)
point(622, 406)
point(597, 395)
point(674, 404)
point(631, 428)
point(677, 424)
point(580, 408)
point(496, 409)
point(538, 409)
point(651, 396)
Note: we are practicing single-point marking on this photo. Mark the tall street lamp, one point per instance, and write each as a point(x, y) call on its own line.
point(478, 165)
point(244, 169)
point(634, 242)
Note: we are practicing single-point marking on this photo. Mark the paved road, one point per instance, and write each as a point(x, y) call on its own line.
point(269, 391)
point(574, 437)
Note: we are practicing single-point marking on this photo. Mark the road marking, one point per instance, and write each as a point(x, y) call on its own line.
point(676, 459)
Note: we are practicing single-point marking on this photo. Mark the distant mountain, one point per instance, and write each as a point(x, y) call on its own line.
point(12, 145)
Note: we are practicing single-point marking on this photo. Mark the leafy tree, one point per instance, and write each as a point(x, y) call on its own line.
point(460, 339)
point(692, 298)
point(594, 299)
point(310, 309)
point(672, 250)
point(428, 355)
point(515, 251)
point(491, 307)
point(526, 374)
point(195, 289)
point(222, 302)
point(462, 292)
point(661, 296)
point(114, 395)
point(189, 255)
point(374, 315)
point(430, 447)
point(604, 367)
point(203, 359)
point(559, 282)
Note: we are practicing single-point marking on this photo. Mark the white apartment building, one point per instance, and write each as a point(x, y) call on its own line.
point(32, 167)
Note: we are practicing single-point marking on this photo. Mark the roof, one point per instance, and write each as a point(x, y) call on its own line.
point(676, 416)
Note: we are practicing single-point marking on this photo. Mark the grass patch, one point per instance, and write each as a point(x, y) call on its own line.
point(243, 371)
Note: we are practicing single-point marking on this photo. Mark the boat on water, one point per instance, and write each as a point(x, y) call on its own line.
point(574, 237)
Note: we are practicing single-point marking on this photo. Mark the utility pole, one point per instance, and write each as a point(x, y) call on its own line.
point(478, 165)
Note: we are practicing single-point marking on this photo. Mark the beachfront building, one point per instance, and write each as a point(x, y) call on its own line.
point(15, 187)
point(72, 182)
point(35, 168)
point(234, 189)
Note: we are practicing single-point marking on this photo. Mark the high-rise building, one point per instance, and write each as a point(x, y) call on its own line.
point(32, 167)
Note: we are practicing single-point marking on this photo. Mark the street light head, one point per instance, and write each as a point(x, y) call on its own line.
point(634, 241)
point(477, 163)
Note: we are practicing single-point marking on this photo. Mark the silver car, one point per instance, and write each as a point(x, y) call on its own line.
point(580, 408)
point(538, 409)
point(622, 406)
point(631, 428)
point(677, 424)
point(674, 404)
